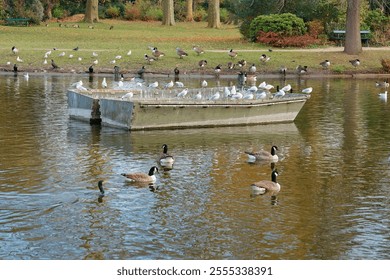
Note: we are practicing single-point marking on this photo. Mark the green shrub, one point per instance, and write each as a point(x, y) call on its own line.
point(58, 12)
point(112, 12)
point(284, 24)
point(200, 14)
point(153, 13)
point(132, 12)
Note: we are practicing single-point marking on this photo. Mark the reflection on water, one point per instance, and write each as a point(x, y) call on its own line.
point(333, 167)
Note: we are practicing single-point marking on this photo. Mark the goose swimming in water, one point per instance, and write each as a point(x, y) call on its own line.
point(142, 177)
point(272, 187)
point(101, 189)
point(263, 155)
point(165, 158)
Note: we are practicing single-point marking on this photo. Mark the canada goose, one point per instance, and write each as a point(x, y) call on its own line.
point(101, 189)
point(141, 71)
point(241, 63)
point(156, 53)
point(54, 65)
point(383, 84)
point(272, 187)
point(325, 64)
point(176, 71)
point(307, 90)
point(252, 69)
point(264, 58)
point(232, 53)
point(355, 62)
point(198, 50)
point(18, 59)
point(202, 63)
point(14, 50)
point(15, 68)
point(218, 69)
point(165, 158)
point(104, 83)
point(142, 177)
point(76, 49)
point(301, 69)
point(264, 155)
point(90, 69)
point(149, 59)
point(181, 53)
point(230, 65)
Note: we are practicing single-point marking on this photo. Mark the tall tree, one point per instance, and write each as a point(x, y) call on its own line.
point(214, 20)
point(190, 11)
point(168, 12)
point(91, 11)
point(353, 43)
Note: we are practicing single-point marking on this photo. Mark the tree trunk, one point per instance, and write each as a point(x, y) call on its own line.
point(190, 11)
point(91, 11)
point(353, 43)
point(168, 12)
point(213, 14)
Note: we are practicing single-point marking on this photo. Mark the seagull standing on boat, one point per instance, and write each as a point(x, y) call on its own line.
point(307, 90)
point(286, 88)
point(183, 93)
point(216, 96)
point(280, 94)
point(153, 85)
point(127, 95)
point(169, 85)
point(104, 83)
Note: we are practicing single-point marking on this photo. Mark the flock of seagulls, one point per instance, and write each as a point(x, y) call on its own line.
point(166, 160)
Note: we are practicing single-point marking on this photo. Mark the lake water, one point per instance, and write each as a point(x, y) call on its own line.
point(333, 164)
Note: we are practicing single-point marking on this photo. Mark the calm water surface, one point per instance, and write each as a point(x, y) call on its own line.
point(334, 172)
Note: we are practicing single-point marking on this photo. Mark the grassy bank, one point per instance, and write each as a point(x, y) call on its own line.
point(34, 41)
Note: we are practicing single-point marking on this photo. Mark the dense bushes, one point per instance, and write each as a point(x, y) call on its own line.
point(282, 24)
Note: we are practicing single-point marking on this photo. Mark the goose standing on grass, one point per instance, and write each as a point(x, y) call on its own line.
point(198, 50)
point(271, 187)
point(325, 64)
point(355, 62)
point(166, 158)
point(180, 52)
point(157, 54)
point(202, 63)
point(264, 58)
point(14, 50)
point(142, 177)
point(232, 54)
point(263, 155)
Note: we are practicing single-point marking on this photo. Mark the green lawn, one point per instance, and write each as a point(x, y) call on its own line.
point(34, 41)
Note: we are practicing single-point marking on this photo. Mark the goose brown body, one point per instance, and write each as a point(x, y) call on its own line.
point(272, 187)
point(142, 177)
point(264, 155)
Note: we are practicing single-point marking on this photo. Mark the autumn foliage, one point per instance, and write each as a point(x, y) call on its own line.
point(278, 40)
